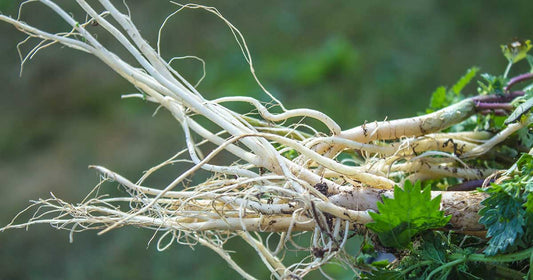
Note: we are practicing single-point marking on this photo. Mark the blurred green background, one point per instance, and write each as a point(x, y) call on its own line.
point(353, 60)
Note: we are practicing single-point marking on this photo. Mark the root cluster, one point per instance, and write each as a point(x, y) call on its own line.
point(284, 177)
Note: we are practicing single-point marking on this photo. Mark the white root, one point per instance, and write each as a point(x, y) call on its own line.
point(502, 135)
point(285, 179)
point(332, 125)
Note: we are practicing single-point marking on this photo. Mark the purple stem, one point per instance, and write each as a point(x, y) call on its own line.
point(468, 185)
point(518, 79)
point(498, 98)
point(497, 103)
point(497, 112)
point(493, 106)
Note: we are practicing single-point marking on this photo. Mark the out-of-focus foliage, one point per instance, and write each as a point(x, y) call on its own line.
point(516, 51)
point(353, 60)
point(491, 84)
point(442, 97)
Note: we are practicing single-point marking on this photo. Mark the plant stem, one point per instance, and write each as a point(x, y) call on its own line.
point(407, 270)
point(518, 79)
point(530, 272)
point(508, 273)
point(518, 256)
point(468, 185)
point(492, 106)
point(498, 98)
point(508, 69)
point(447, 265)
point(460, 258)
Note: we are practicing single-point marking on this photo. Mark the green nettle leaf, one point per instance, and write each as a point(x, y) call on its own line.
point(442, 97)
point(438, 98)
point(410, 212)
point(491, 84)
point(433, 248)
point(516, 51)
point(465, 79)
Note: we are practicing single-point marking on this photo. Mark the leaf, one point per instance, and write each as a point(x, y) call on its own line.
point(529, 203)
point(465, 79)
point(526, 136)
point(529, 59)
point(492, 84)
point(290, 154)
point(525, 164)
point(380, 263)
point(438, 98)
point(520, 110)
point(383, 274)
point(508, 211)
point(410, 212)
point(433, 248)
point(516, 50)
point(503, 218)
point(442, 97)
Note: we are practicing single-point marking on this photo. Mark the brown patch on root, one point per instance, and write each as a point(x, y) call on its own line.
point(464, 208)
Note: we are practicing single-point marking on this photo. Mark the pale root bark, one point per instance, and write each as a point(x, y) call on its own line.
point(411, 127)
point(282, 180)
point(351, 207)
point(408, 127)
point(462, 206)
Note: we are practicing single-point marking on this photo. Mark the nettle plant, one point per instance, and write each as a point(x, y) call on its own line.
point(445, 194)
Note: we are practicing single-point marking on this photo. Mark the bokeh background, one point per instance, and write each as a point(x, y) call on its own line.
point(353, 60)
